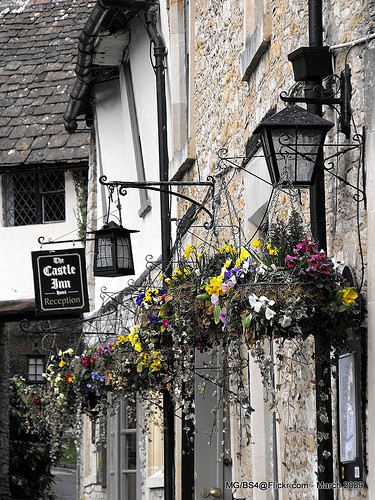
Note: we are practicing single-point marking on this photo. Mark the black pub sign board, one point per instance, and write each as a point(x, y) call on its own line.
point(60, 282)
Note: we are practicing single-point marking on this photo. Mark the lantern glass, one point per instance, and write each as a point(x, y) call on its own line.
point(113, 251)
point(35, 369)
point(293, 140)
point(297, 150)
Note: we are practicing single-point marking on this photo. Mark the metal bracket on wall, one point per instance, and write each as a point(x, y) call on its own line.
point(164, 186)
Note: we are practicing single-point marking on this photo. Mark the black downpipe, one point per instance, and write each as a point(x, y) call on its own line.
point(159, 55)
point(83, 66)
point(319, 231)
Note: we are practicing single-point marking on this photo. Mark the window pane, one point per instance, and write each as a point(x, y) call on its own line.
point(130, 459)
point(20, 200)
point(53, 207)
point(130, 486)
point(52, 182)
point(52, 189)
point(34, 198)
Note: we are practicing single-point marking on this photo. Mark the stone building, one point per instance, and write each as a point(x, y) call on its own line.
point(226, 64)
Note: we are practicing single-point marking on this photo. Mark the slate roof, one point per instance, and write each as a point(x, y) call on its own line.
point(38, 50)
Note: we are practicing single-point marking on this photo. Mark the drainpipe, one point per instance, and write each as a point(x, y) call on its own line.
point(159, 55)
point(318, 227)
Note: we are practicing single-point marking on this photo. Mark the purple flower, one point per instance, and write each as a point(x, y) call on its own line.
point(223, 316)
point(153, 319)
point(96, 376)
point(140, 298)
point(214, 299)
point(228, 285)
point(326, 268)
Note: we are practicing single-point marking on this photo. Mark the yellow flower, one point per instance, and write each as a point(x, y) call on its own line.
point(244, 254)
point(176, 273)
point(271, 249)
point(155, 365)
point(214, 286)
point(227, 249)
point(348, 296)
point(188, 251)
point(62, 363)
point(257, 243)
point(145, 358)
point(121, 340)
point(138, 347)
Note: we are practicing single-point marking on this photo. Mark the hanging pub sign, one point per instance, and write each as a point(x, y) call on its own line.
point(60, 282)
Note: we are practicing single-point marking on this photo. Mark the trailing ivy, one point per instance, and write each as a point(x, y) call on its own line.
point(30, 445)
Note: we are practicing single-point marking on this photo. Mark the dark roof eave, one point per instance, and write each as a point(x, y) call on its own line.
point(78, 97)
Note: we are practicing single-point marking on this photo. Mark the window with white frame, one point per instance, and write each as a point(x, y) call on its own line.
point(33, 197)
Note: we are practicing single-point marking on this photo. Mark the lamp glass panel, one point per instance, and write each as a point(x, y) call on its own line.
point(298, 149)
point(104, 255)
point(124, 253)
point(35, 369)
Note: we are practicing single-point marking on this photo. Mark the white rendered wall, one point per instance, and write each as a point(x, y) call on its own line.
point(115, 155)
point(17, 243)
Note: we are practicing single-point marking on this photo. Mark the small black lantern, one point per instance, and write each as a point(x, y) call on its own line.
point(293, 139)
point(113, 251)
point(36, 367)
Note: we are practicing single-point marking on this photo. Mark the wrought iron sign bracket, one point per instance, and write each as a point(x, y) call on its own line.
point(162, 186)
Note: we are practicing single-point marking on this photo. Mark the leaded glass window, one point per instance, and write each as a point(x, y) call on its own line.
point(34, 197)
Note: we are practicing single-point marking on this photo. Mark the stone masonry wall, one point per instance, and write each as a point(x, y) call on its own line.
point(227, 110)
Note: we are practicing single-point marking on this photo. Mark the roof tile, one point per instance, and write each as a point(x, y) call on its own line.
point(38, 43)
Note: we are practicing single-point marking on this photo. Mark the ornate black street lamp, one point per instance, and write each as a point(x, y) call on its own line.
point(293, 139)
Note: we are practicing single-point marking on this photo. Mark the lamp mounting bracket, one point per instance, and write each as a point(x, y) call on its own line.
point(317, 94)
point(165, 187)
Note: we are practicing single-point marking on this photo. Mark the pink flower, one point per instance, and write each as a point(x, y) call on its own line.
point(166, 323)
point(291, 261)
point(326, 268)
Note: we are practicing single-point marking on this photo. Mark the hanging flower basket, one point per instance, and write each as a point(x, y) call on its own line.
point(276, 293)
point(194, 314)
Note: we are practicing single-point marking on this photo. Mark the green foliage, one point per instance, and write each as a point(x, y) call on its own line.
point(69, 456)
point(285, 234)
point(30, 466)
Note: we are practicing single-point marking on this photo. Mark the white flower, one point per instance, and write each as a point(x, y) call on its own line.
point(255, 303)
point(246, 265)
point(286, 321)
point(269, 313)
point(266, 300)
point(261, 269)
